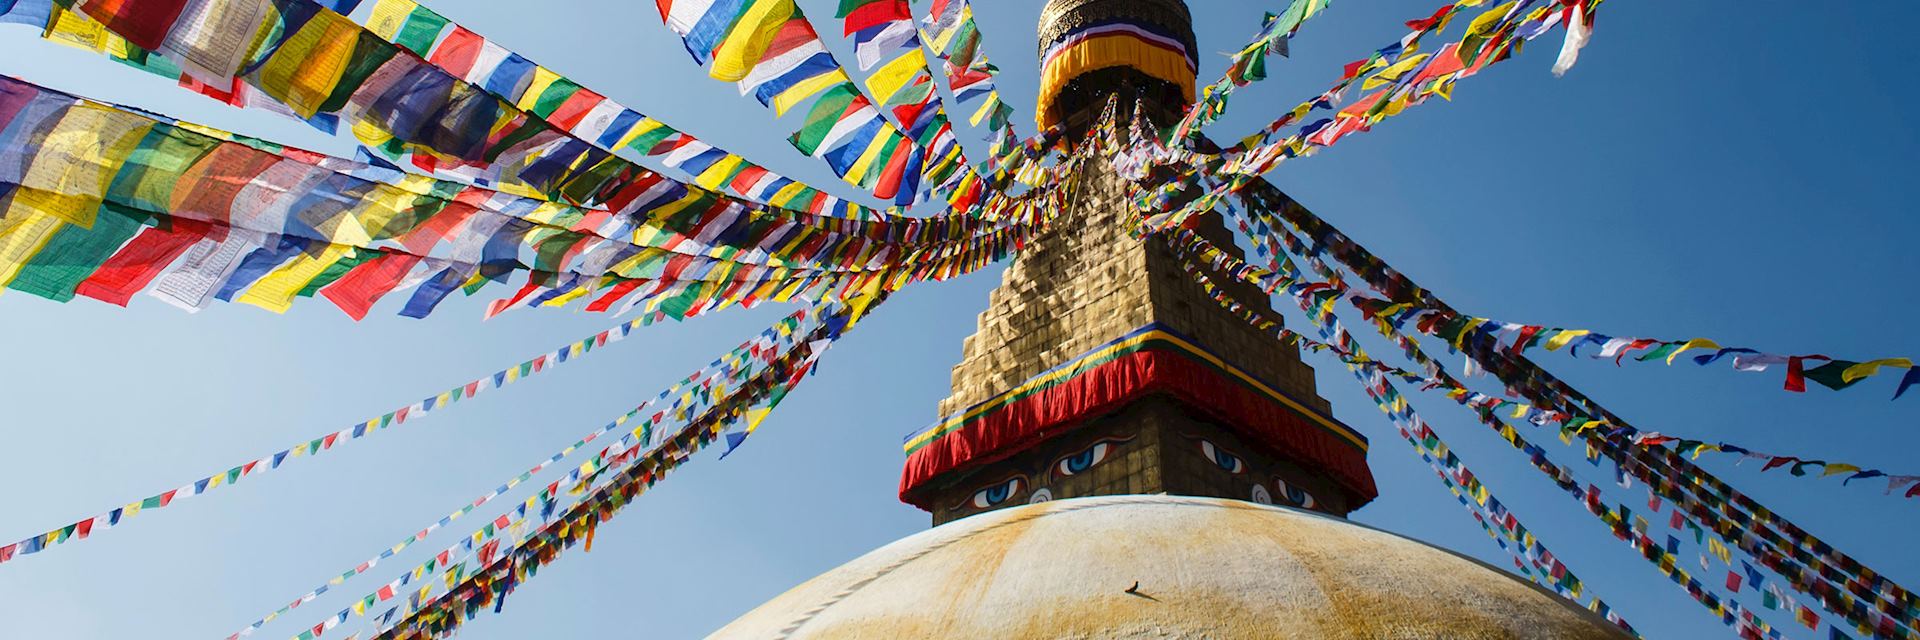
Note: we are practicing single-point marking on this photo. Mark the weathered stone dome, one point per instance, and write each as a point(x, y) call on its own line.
point(1205, 568)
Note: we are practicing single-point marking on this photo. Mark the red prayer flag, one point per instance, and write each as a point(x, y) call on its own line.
point(137, 264)
point(422, 238)
point(569, 114)
point(1733, 582)
point(533, 284)
point(614, 295)
point(356, 292)
point(891, 177)
point(233, 94)
point(458, 51)
point(876, 12)
point(142, 22)
point(1796, 375)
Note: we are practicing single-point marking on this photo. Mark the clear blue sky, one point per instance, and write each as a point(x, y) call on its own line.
point(1712, 169)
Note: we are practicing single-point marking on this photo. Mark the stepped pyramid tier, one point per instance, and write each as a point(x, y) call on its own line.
point(1101, 368)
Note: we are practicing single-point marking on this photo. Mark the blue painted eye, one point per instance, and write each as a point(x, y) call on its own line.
point(1231, 463)
point(1296, 496)
point(1080, 462)
point(996, 494)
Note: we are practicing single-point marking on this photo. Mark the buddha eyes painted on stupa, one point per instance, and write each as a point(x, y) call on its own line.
point(1226, 461)
point(1087, 458)
point(1295, 496)
point(994, 494)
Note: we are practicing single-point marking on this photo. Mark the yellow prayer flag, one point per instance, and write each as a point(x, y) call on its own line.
point(276, 290)
point(542, 78)
point(716, 176)
point(986, 108)
point(1865, 369)
point(1696, 343)
point(1393, 72)
point(805, 89)
point(23, 239)
point(747, 42)
point(389, 16)
point(77, 210)
point(1836, 468)
point(1565, 336)
point(857, 173)
point(305, 69)
point(75, 29)
point(897, 74)
point(786, 194)
point(570, 296)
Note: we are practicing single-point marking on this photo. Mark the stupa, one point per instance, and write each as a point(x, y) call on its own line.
point(1122, 458)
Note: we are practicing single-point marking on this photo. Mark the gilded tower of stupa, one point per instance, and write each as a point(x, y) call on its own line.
point(1121, 458)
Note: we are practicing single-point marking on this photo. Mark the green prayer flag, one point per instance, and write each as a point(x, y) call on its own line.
point(147, 179)
point(338, 270)
point(1830, 375)
point(369, 54)
point(645, 143)
point(555, 95)
point(1659, 352)
point(826, 112)
point(74, 253)
point(421, 29)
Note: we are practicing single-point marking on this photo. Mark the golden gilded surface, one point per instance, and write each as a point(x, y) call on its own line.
point(1205, 568)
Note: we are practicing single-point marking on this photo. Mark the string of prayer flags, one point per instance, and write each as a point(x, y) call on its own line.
point(587, 114)
point(1829, 372)
point(1436, 451)
point(666, 234)
point(1735, 517)
point(1492, 514)
point(86, 527)
point(1798, 466)
point(739, 38)
point(795, 66)
point(1403, 77)
point(953, 36)
point(1784, 550)
point(235, 218)
point(504, 123)
point(686, 396)
point(879, 28)
point(1249, 65)
point(621, 482)
point(1271, 281)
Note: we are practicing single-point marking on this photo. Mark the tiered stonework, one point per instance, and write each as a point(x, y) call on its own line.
point(1081, 287)
point(1087, 282)
point(1100, 367)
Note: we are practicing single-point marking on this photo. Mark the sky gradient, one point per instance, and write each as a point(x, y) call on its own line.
point(1741, 174)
